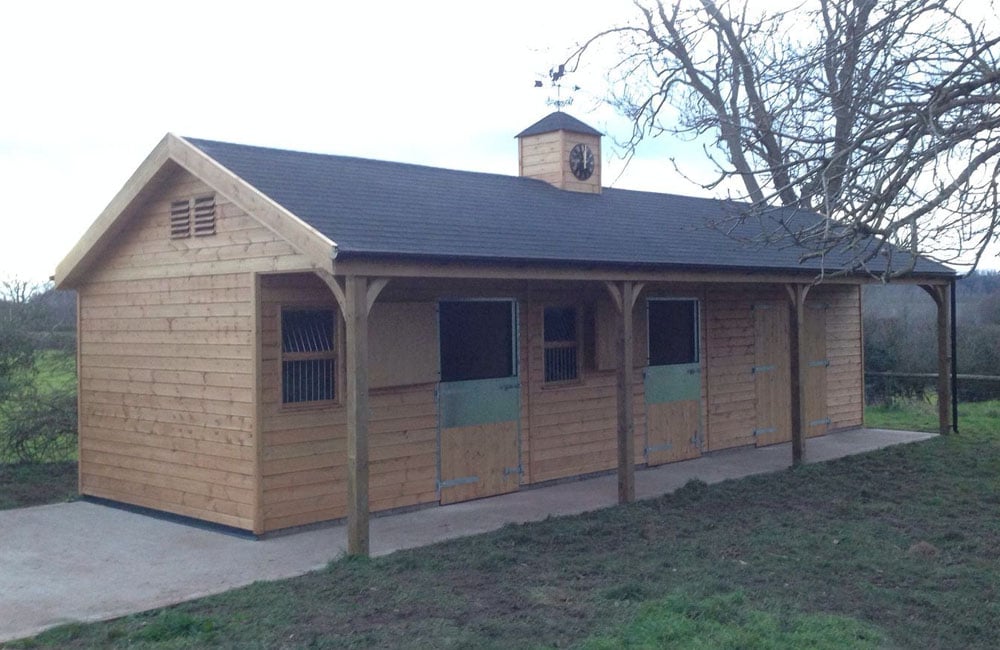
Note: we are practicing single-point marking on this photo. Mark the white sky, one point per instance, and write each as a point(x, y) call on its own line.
point(89, 88)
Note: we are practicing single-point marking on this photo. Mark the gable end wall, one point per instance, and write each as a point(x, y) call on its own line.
point(167, 383)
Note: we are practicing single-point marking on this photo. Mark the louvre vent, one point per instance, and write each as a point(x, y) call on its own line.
point(204, 216)
point(180, 219)
point(203, 222)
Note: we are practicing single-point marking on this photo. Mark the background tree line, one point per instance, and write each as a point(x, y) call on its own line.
point(38, 414)
point(900, 330)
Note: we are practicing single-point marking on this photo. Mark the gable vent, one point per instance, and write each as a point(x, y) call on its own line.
point(182, 224)
point(204, 216)
point(180, 219)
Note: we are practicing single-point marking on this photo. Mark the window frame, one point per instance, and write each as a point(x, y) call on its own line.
point(577, 343)
point(336, 353)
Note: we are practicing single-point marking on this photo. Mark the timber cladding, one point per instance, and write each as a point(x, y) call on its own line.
point(167, 362)
point(176, 415)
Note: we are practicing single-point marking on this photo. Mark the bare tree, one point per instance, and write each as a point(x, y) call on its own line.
point(881, 116)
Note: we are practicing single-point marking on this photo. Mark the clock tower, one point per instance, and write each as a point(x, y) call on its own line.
point(563, 151)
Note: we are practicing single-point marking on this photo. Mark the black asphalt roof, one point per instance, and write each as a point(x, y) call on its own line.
point(376, 208)
point(559, 121)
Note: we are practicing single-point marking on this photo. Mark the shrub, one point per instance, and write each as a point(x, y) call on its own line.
point(38, 426)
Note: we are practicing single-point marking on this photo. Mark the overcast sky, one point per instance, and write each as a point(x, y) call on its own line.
point(89, 88)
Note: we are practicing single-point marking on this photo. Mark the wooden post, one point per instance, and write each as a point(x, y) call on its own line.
point(356, 401)
point(624, 295)
point(942, 298)
point(796, 334)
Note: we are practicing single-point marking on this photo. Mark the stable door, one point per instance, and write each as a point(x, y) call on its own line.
point(479, 400)
point(672, 381)
point(771, 374)
point(817, 419)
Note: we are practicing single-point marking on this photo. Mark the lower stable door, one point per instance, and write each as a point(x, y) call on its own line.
point(479, 400)
point(672, 381)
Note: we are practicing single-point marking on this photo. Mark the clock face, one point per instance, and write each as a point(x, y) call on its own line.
point(581, 161)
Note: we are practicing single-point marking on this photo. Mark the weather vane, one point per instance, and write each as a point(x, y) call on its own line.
point(556, 74)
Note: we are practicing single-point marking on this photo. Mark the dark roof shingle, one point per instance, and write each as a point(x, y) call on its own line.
point(559, 121)
point(370, 207)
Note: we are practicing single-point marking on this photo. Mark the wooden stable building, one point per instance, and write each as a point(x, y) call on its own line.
point(272, 338)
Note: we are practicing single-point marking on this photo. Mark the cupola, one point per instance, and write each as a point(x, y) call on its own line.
point(561, 150)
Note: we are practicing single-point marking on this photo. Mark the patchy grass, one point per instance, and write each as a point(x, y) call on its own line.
point(35, 484)
point(895, 548)
point(922, 415)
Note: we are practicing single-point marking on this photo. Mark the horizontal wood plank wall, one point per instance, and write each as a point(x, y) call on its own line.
point(305, 452)
point(573, 425)
point(729, 347)
point(845, 381)
point(166, 370)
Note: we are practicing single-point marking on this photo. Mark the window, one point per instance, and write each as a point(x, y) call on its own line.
point(673, 331)
point(192, 216)
point(477, 339)
point(562, 344)
point(308, 355)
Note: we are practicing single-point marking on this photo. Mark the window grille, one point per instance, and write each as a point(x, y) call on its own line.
point(562, 344)
point(308, 355)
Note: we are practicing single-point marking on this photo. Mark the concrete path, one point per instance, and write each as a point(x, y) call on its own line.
point(85, 562)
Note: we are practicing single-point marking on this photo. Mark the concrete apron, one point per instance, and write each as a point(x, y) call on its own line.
point(86, 562)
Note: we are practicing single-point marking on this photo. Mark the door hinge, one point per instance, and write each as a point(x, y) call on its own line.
point(764, 430)
point(655, 448)
point(756, 369)
point(465, 480)
point(820, 421)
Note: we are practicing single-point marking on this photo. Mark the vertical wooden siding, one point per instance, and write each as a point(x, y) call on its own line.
point(844, 379)
point(166, 371)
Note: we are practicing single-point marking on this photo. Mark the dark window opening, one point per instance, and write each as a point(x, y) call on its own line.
point(308, 355)
point(673, 332)
point(561, 344)
point(477, 340)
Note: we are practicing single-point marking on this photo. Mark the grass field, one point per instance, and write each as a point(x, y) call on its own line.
point(896, 548)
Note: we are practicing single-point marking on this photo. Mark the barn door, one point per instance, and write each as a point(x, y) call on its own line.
point(479, 400)
point(672, 381)
point(817, 420)
point(771, 373)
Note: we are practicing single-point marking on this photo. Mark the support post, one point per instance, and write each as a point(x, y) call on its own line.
point(942, 298)
point(624, 295)
point(796, 334)
point(356, 401)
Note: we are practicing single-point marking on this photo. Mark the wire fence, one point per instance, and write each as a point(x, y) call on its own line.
point(884, 387)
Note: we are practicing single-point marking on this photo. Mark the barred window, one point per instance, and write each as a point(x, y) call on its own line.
point(562, 344)
point(308, 355)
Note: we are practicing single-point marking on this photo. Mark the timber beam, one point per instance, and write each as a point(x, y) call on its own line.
point(796, 335)
point(942, 298)
point(356, 297)
point(624, 295)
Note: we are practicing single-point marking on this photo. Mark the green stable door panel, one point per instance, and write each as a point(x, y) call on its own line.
point(479, 400)
point(672, 382)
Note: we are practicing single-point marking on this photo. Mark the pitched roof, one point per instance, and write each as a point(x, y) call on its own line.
point(376, 208)
point(559, 121)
